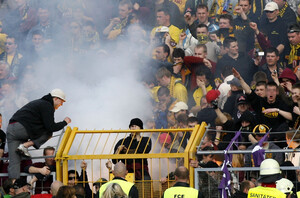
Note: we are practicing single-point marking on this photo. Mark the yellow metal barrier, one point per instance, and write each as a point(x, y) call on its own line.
point(96, 147)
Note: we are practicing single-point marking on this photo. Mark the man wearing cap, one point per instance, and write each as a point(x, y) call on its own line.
point(135, 143)
point(21, 189)
point(293, 52)
point(270, 110)
point(230, 105)
point(33, 125)
point(259, 132)
point(274, 27)
point(269, 174)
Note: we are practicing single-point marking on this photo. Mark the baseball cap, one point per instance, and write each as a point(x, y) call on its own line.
point(165, 138)
point(235, 82)
point(271, 6)
point(241, 99)
point(179, 106)
point(19, 183)
point(212, 95)
point(260, 129)
point(192, 11)
point(162, 29)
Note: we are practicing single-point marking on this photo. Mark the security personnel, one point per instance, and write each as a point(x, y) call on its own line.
point(181, 188)
point(269, 174)
point(120, 172)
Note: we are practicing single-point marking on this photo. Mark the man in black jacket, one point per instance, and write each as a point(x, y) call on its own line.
point(33, 125)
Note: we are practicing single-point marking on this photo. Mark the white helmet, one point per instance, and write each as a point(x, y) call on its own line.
point(284, 185)
point(269, 167)
point(59, 94)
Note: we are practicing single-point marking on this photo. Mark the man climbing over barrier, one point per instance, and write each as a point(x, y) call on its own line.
point(33, 125)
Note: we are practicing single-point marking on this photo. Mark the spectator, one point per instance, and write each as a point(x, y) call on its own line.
point(163, 18)
point(293, 142)
point(204, 84)
point(236, 91)
point(13, 57)
point(66, 192)
point(23, 126)
point(135, 143)
point(270, 110)
point(55, 187)
point(42, 171)
point(243, 32)
point(293, 51)
point(98, 184)
point(114, 190)
point(259, 132)
point(238, 60)
point(163, 117)
point(74, 179)
point(21, 189)
point(117, 24)
point(244, 189)
point(260, 89)
point(120, 172)
point(177, 89)
point(274, 27)
point(272, 63)
point(208, 114)
point(8, 188)
point(285, 12)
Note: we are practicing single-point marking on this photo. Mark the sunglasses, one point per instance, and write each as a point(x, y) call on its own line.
point(71, 178)
point(268, 11)
point(9, 43)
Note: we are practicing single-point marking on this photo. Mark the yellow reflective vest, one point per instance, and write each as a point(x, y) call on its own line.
point(181, 192)
point(125, 185)
point(265, 192)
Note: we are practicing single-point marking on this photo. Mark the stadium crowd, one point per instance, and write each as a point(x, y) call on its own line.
point(232, 64)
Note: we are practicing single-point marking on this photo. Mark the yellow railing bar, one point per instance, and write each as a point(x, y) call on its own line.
point(127, 156)
point(196, 137)
point(59, 153)
point(134, 131)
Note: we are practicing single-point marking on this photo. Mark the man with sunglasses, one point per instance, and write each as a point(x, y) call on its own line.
point(274, 27)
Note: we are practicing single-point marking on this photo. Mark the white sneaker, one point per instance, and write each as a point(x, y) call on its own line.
point(22, 150)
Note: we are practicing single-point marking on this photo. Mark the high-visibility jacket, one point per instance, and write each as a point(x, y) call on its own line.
point(125, 185)
point(181, 191)
point(265, 192)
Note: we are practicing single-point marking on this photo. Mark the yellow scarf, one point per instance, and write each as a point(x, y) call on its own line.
point(282, 10)
point(171, 86)
point(293, 53)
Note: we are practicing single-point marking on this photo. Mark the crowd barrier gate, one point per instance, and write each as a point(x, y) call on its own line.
point(97, 146)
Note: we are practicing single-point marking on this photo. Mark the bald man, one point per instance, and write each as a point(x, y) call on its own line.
point(120, 173)
point(55, 186)
point(181, 188)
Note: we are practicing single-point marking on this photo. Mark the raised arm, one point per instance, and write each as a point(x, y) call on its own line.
point(244, 85)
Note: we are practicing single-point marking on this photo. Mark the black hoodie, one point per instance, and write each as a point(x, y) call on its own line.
point(38, 117)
